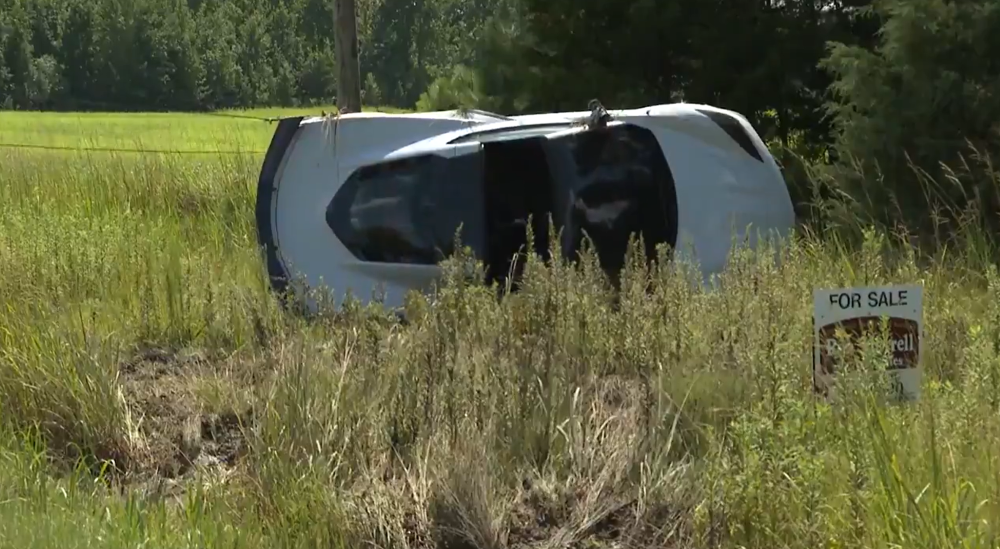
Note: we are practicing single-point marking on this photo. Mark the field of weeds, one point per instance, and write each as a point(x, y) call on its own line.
point(153, 394)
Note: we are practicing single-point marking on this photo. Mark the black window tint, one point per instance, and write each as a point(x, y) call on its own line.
point(405, 211)
point(453, 198)
point(733, 128)
point(622, 186)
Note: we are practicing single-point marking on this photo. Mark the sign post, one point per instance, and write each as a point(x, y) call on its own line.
point(859, 311)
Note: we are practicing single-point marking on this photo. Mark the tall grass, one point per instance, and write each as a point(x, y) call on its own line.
point(152, 393)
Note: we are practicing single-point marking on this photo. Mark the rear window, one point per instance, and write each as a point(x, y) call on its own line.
point(407, 211)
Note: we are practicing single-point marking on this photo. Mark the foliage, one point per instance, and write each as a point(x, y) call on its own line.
point(197, 55)
point(460, 89)
point(753, 57)
point(928, 94)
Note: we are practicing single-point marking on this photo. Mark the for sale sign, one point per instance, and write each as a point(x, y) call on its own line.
point(860, 311)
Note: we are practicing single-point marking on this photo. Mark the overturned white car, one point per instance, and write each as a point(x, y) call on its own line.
point(369, 203)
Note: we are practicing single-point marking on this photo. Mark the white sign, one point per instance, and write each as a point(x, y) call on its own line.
point(854, 310)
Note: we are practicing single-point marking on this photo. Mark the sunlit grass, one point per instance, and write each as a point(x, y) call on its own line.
point(244, 131)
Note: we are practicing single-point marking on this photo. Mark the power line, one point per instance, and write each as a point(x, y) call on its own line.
point(239, 116)
point(118, 150)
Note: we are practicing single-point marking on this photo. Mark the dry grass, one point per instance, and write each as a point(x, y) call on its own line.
point(152, 393)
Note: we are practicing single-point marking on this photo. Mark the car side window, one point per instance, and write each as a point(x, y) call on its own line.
point(402, 211)
point(621, 188)
point(454, 198)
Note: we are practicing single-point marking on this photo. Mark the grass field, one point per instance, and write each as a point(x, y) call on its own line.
point(152, 394)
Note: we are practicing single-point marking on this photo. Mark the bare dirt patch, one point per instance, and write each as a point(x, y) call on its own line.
point(542, 520)
point(176, 434)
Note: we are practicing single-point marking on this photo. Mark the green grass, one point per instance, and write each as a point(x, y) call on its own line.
point(151, 392)
point(234, 131)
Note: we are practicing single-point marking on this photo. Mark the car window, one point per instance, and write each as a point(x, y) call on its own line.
point(454, 198)
point(405, 211)
point(622, 186)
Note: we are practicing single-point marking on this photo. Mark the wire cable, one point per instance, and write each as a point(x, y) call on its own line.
point(118, 150)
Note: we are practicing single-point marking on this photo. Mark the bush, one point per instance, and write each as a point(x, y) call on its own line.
point(460, 89)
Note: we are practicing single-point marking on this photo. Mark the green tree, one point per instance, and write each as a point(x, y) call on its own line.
point(929, 88)
point(759, 57)
point(17, 54)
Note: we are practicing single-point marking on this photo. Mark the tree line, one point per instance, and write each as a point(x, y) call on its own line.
point(855, 86)
point(212, 54)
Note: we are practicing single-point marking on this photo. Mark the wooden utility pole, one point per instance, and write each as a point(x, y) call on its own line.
point(345, 37)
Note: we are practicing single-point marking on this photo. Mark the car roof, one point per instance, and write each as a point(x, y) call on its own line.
point(494, 127)
point(397, 135)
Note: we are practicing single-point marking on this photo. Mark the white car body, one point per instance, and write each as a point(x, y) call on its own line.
point(725, 185)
